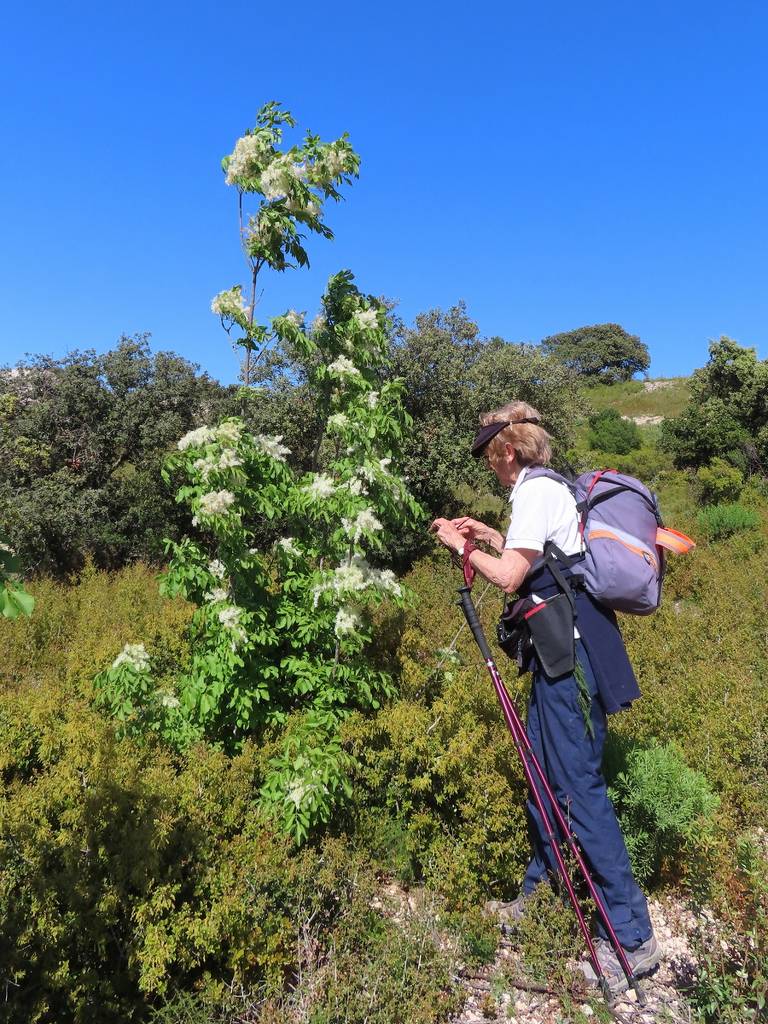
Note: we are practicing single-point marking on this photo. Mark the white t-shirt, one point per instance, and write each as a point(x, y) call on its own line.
point(545, 510)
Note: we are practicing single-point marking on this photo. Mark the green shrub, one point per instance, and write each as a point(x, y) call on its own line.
point(610, 432)
point(662, 805)
point(547, 937)
point(720, 521)
point(719, 482)
point(478, 934)
point(647, 463)
point(731, 985)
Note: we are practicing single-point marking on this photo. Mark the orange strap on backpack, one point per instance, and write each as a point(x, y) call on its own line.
point(674, 541)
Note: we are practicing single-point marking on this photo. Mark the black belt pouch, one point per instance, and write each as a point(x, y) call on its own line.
point(551, 628)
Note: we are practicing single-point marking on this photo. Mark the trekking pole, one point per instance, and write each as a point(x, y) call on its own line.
point(530, 765)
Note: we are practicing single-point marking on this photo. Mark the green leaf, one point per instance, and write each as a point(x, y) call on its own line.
point(16, 601)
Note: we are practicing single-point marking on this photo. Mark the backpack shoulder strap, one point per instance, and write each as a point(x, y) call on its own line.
point(538, 471)
point(553, 555)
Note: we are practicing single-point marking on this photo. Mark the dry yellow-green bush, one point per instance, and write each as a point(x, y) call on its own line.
point(439, 761)
point(124, 874)
point(79, 628)
point(132, 882)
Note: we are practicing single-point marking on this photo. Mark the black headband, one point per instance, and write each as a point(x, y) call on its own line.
point(490, 430)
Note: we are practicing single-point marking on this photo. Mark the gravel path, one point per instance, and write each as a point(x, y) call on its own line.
point(531, 1004)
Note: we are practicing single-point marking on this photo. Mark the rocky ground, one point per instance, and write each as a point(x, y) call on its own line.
point(501, 992)
point(493, 995)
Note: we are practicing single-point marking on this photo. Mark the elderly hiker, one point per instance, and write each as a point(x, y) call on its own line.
point(567, 713)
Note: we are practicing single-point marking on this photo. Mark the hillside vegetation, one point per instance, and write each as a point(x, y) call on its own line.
point(138, 880)
point(663, 396)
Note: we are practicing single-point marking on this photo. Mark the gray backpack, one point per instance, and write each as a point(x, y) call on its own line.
point(619, 522)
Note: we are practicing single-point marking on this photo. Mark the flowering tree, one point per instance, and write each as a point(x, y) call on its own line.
point(280, 572)
point(281, 635)
point(293, 186)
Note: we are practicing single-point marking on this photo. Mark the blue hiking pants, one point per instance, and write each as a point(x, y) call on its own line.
point(572, 761)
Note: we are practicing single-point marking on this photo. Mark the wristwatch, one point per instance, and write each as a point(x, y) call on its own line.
point(460, 551)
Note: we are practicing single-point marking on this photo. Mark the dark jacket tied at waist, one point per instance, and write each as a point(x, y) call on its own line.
point(600, 634)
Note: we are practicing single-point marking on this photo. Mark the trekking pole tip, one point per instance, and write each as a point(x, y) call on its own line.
point(636, 987)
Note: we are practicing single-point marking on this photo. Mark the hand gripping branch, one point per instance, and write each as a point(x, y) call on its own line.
point(535, 777)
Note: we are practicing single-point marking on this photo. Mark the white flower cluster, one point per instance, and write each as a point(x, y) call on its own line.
point(248, 150)
point(7, 549)
point(195, 438)
point(366, 520)
point(347, 621)
point(277, 178)
point(229, 459)
point(217, 568)
point(343, 367)
point(367, 474)
point(318, 323)
point(356, 575)
point(271, 446)
point(366, 318)
point(351, 576)
point(289, 546)
point(272, 181)
point(168, 699)
point(372, 398)
point(338, 420)
point(133, 655)
point(334, 162)
point(321, 487)
point(357, 487)
point(297, 319)
point(229, 617)
point(217, 595)
point(385, 579)
point(216, 503)
point(296, 792)
point(229, 304)
point(226, 459)
point(298, 206)
point(229, 432)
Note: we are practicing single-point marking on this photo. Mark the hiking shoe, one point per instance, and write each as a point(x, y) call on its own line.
point(508, 913)
point(642, 960)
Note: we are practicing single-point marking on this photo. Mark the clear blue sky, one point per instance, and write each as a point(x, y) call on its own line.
point(552, 164)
